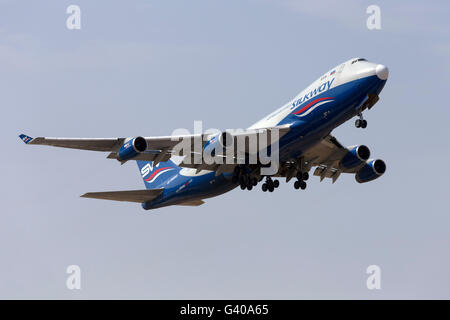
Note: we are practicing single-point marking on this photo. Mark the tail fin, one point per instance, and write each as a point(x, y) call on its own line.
point(155, 175)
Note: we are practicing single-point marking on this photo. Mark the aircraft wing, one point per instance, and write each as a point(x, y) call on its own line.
point(158, 148)
point(104, 144)
point(163, 147)
point(97, 144)
point(325, 156)
point(129, 196)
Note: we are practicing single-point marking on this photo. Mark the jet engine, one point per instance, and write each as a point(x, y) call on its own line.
point(355, 157)
point(370, 171)
point(218, 142)
point(132, 148)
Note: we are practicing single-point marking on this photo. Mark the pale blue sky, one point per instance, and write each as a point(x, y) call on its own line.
point(149, 67)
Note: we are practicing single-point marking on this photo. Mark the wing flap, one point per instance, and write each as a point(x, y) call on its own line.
point(146, 156)
point(325, 156)
point(327, 151)
point(129, 195)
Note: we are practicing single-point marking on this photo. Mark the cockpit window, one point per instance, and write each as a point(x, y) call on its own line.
point(361, 59)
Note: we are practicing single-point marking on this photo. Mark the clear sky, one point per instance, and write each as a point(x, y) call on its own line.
point(149, 67)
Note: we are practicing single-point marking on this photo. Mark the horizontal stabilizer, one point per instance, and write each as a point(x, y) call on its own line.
point(130, 195)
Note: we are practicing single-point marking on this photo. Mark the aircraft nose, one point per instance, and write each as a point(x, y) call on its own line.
point(382, 72)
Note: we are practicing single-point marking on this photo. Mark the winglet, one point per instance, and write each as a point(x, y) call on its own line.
point(25, 138)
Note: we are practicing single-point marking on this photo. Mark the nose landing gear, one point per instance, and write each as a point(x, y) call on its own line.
point(361, 123)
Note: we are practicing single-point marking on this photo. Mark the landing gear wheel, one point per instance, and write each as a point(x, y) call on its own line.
point(243, 186)
point(297, 184)
point(264, 187)
point(270, 184)
point(254, 182)
point(249, 187)
point(305, 176)
point(276, 183)
point(302, 185)
point(360, 122)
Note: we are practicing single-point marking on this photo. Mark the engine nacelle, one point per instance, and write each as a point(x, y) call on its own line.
point(370, 171)
point(132, 148)
point(355, 157)
point(218, 143)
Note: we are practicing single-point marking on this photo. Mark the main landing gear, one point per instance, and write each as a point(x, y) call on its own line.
point(270, 184)
point(301, 178)
point(360, 122)
point(246, 181)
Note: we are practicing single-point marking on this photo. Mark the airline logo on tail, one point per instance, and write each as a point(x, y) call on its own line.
point(148, 168)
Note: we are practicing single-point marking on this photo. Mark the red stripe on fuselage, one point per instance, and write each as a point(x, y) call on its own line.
point(311, 104)
point(154, 173)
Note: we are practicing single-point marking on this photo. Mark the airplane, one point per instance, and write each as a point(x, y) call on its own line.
point(304, 141)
